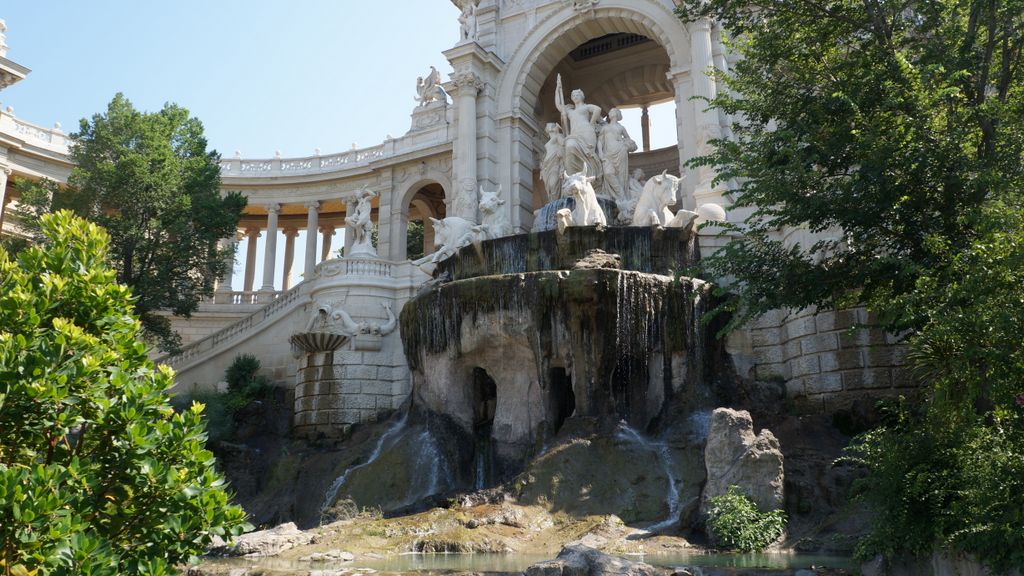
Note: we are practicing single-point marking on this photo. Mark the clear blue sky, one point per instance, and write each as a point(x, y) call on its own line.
point(261, 75)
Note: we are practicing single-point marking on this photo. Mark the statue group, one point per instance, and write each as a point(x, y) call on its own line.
point(585, 141)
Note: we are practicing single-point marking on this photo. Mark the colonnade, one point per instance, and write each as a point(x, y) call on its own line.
point(251, 232)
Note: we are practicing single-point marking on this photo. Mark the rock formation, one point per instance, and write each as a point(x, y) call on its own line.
point(735, 456)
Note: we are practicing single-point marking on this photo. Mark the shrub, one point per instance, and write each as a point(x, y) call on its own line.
point(98, 475)
point(735, 523)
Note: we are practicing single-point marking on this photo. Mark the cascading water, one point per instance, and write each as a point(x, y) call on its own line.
point(388, 438)
point(660, 449)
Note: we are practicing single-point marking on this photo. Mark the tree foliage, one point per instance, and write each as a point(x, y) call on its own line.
point(895, 130)
point(150, 181)
point(884, 125)
point(98, 475)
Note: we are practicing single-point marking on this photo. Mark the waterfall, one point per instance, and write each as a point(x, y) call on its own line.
point(385, 438)
point(661, 450)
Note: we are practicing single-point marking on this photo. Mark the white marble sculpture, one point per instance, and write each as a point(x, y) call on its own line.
point(552, 165)
point(361, 223)
point(452, 233)
point(327, 318)
point(468, 21)
point(429, 89)
point(613, 147)
point(660, 192)
point(494, 220)
point(634, 189)
point(3, 37)
point(579, 123)
point(587, 211)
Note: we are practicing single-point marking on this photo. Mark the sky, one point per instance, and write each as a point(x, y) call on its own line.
point(263, 76)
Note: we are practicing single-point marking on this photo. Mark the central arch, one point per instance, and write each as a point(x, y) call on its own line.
point(537, 56)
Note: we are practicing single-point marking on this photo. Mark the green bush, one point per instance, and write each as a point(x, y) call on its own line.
point(735, 523)
point(98, 475)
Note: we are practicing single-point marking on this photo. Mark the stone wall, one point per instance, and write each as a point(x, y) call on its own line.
point(826, 359)
point(345, 388)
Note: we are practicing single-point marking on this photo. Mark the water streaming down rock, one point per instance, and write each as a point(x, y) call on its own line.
point(661, 449)
point(387, 438)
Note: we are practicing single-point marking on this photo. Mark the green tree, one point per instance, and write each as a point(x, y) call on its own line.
point(889, 124)
point(150, 181)
point(897, 129)
point(98, 475)
point(414, 247)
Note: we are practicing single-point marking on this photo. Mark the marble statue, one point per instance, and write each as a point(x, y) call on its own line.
point(634, 189)
point(361, 223)
point(429, 90)
point(337, 321)
point(468, 21)
point(551, 166)
point(587, 211)
point(579, 122)
point(494, 220)
point(613, 147)
point(660, 192)
point(3, 37)
point(452, 233)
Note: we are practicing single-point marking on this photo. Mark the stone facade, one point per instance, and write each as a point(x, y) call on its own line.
point(827, 359)
point(480, 129)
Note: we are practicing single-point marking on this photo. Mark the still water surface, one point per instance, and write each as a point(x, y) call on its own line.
point(512, 563)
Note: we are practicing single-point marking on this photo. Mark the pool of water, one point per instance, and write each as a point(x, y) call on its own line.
point(515, 563)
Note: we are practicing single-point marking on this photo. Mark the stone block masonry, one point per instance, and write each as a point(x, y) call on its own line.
point(329, 400)
point(827, 360)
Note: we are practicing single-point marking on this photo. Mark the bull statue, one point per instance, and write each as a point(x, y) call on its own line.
point(652, 209)
point(494, 220)
point(587, 211)
point(452, 233)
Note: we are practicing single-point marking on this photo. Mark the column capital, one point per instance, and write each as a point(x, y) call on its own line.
point(253, 231)
point(274, 207)
point(6, 170)
point(312, 205)
point(327, 229)
point(468, 80)
point(290, 231)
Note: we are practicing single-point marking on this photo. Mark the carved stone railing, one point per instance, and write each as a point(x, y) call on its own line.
point(52, 138)
point(244, 167)
point(281, 302)
point(355, 267)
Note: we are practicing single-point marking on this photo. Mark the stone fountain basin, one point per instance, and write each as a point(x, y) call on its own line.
point(313, 342)
point(649, 249)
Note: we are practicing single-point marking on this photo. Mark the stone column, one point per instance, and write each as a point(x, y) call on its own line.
point(289, 257)
point(327, 231)
point(270, 249)
point(312, 216)
point(468, 84)
point(707, 122)
point(223, 292)
point(250, 258)
point(5, 172)
point(645, 127)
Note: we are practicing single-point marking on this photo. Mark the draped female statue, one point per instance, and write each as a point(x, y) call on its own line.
point(579, 122)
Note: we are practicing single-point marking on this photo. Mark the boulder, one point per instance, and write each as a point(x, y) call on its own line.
point(579, 560)
point(266, 542)
point(734, 455)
